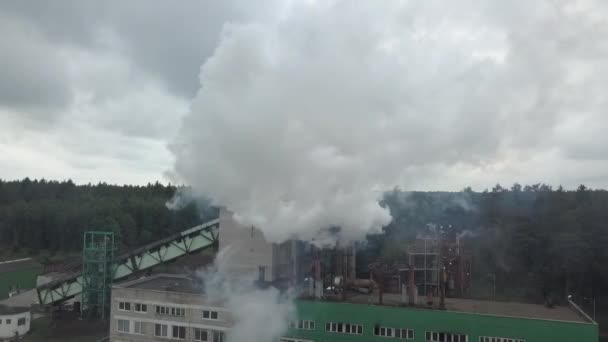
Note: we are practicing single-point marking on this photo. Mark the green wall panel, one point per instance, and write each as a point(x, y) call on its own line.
point(474, 325)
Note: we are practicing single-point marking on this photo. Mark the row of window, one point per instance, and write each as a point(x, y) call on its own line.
point(499, 339)
point(170, 311)
point(302, 324)
point(208, 335)
point(344, 328)
point(394, 332)
point(139, 307)
point(20, 321)
point(173, 331)
point(432, 336)
point(401, 333)
point(409, 334)
point(164, 310)
point(179, 332)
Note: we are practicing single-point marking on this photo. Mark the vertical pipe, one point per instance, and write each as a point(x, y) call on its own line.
point(443, 280)
point(424, 267)
point(461, 274)
point(410, 285)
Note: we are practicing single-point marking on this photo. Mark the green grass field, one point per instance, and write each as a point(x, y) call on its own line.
point(24, 279)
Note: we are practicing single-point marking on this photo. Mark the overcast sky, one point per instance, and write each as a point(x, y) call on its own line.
point(433, 94)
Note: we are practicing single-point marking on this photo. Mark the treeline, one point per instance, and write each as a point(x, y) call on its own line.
point(49, 216)
point(530, 242)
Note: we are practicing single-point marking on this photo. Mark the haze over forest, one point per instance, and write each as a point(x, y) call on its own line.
point(551, 240)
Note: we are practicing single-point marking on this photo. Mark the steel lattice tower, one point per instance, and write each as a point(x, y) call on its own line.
point(97, 273)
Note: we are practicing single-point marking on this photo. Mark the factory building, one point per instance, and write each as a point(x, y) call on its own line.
point(332, 304)
point(174, 307)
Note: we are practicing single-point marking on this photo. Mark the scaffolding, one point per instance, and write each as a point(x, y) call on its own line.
point(424, 256)
point(97, 273)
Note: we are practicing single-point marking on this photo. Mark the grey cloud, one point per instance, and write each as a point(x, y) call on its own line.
point(165, 39)
point(82, 153)
point(33, 78)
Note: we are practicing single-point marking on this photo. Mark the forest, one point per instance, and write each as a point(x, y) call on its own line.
point(50, 216)
point(529, 241)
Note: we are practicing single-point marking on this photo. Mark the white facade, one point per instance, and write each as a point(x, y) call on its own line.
point(164, 307)
point(14, 323)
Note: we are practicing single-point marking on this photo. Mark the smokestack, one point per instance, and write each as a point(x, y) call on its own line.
point(443, 280)
point(318, 283)
point(410, 285)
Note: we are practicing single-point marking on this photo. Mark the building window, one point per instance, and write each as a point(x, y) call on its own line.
point(499, 339)
point(178, 332)
point(124, 306)
point(394, 332)
point(160, 330)
point(8, 321)
point(200, 334)
point(21, 321)
point(139, 327)
point(302, 324)
point(218, 336)
point(405, 333)
point(287, 339)
point(123, 325)
point(170, 311)
point(141, 308)
point(0, 321)
point(383, 331)
point(345, 328)
point(178, 312)
point(210, 314)
point(431, 336)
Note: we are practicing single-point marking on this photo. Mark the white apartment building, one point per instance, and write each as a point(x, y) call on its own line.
point(166, 307)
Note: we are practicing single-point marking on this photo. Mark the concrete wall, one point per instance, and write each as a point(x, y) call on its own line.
point(244, 249)
point(194, 304)
point(474, 325)
point(8, 330)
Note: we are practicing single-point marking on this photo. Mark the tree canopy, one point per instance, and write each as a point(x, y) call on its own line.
point(533, 239)
point(40, 215)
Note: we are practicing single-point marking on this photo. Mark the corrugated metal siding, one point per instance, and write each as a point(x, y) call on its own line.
point(473, 325)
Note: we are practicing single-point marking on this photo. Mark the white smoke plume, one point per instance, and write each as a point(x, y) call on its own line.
point(466, 234)
point(259, 314)
point(182, 197)
point(304, 119)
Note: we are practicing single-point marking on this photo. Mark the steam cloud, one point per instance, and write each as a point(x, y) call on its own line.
point(302, 121)
point(259, 314)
